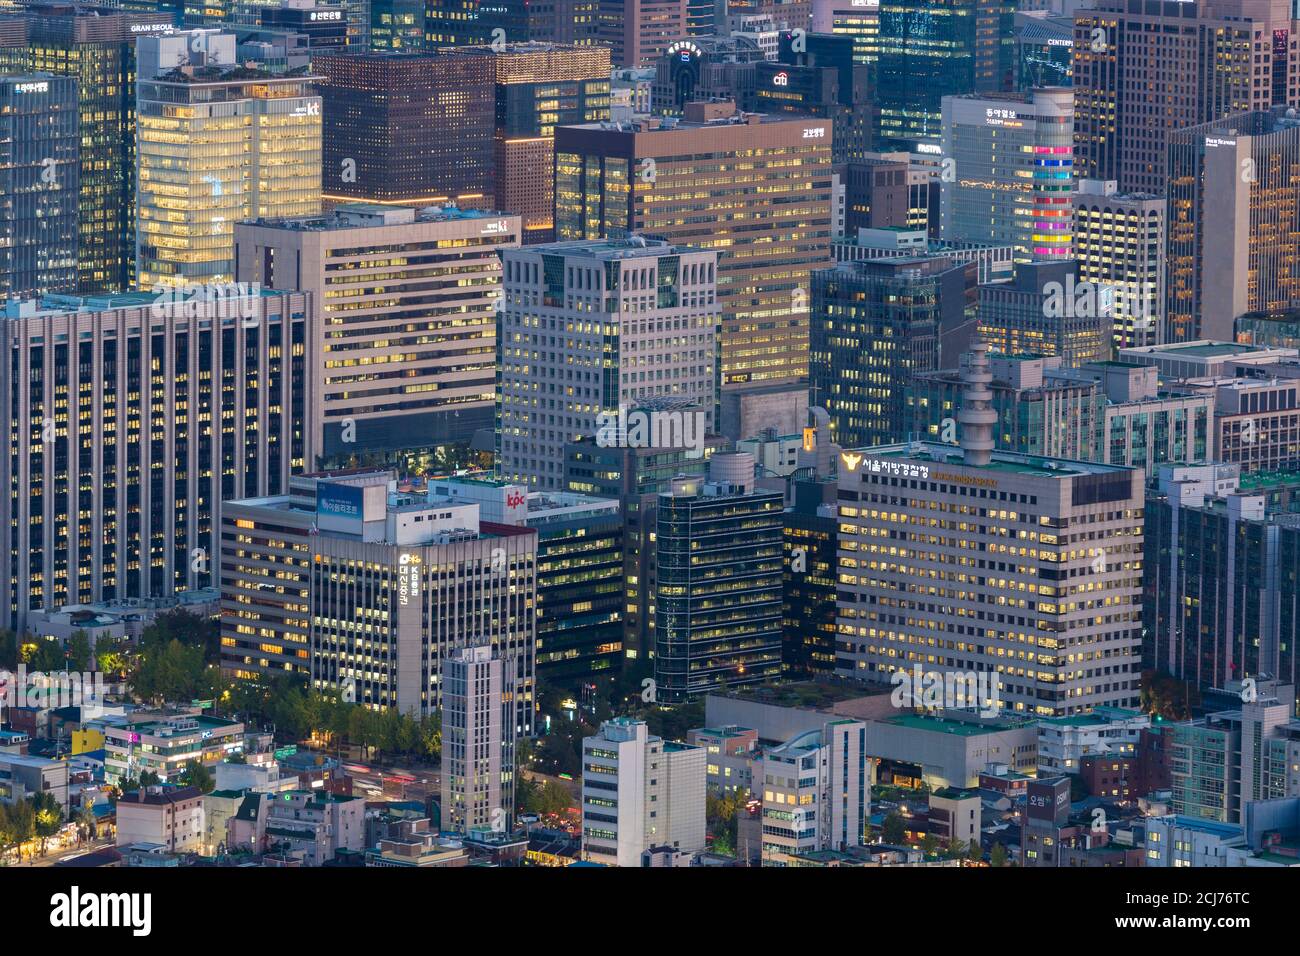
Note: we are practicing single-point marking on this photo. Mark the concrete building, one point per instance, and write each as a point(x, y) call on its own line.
point(634, 320)
point(1176, 840)
point(1046, 309)
point(769, 219)
point(471, 741)
point(162, 744)
point(1064, 742)
point(639, 791)
point(23, 776)
point(1036, 576)
point(169, 816)
point(1208, 58)
point(638, 31)
point(131, 418)
point(956, 816)
point(403, 349)
point(718, 587)
point(191, 94)
point(311, 827)
point(730, 757)
point(903, 242)
point(1234, 201)
point(1223, 761)
point(816, 792)
point(949, 748)
point(1013, 157)
point(1206, 358)
point(1119, 241)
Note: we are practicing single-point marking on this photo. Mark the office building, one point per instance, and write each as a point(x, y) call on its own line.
point(1012, 157)
point(1037, 573)
point(403, 349)
point(471, 740)
point(931, 50)
point(1234, 214)
point(96, 47)
point(130, 420)
point(858, 19)
point(1047, 310)
point(162, 744)
point(1279, 328)
point(170, 817)
point(1222, 762)
point(639, 791)
point(396, 25)
point(816, 792)
point(589, 331)
point(539, 86)
point(638, 31)
point(579, 571)
point(705, 69)
point(811, 526)
point(1200, 61)
point(191, 93)
point(407, 127)
point(1119, 241)
point(39, 177)
point(719, 585)
point(994, 263)
point(1044, 49)
point(460, 23)
point(1208, 359)
point(1221, 575)
point(768, 217)
point(877, 323)
point(635, 477)
point(1257, 421)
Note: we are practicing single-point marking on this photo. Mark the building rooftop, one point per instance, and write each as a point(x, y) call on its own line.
point(927, 453)
point(947, 725)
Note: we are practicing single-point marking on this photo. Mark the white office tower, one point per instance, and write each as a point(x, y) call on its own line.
point(592, 329)
point(639, 792)
point(471, 741)
point(816, 791)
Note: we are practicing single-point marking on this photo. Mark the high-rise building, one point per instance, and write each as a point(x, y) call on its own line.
point(579, 571)
point(767, 213)
point(1119, 241)
point(589, 331)
point(396, 25)
point(472, 736)
point(639, 791)
point(718, 590)
point(635, 477)
point(1234, 221)
point(1199, 61)
point(131, 418)
point(216, 143)
point(403, 348)
point(876, 324)
point(1013, 175)
point(407, 127)
point(638, 31)
point(859, 19)
point(396, 586)
point(39, 177)
point(96, 47)
point(460, 23)
point(1044, 50)
point(816, 792)
point(1035, 565)
point(929, 50)
point(1046, 310)
point(539, 86)
point(1222, 559)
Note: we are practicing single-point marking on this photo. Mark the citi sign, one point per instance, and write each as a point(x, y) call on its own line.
point(781, 79)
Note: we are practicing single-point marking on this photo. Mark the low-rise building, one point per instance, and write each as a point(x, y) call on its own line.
point(171, 817)
point(160, 743)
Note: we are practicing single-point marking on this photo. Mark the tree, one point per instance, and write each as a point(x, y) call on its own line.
point(18, 824)
point(111, 656)
point(46, 656)
point(87, 822)
point(196, 774)
point(79, 654)
point(8, 649)
point(976, 852)
point(998, 855)
point(929, 845)
point(48, 815)
point(893, 830)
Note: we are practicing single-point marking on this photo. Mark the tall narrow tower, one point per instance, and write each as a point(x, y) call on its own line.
point(977, 416)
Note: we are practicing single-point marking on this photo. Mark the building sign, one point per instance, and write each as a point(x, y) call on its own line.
point(339, 501)
point(497, 228)
point(408, 579)
point(781, 79)
point(818, 132)
point(684, 50)
point(42, 87)
point(327, 15)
